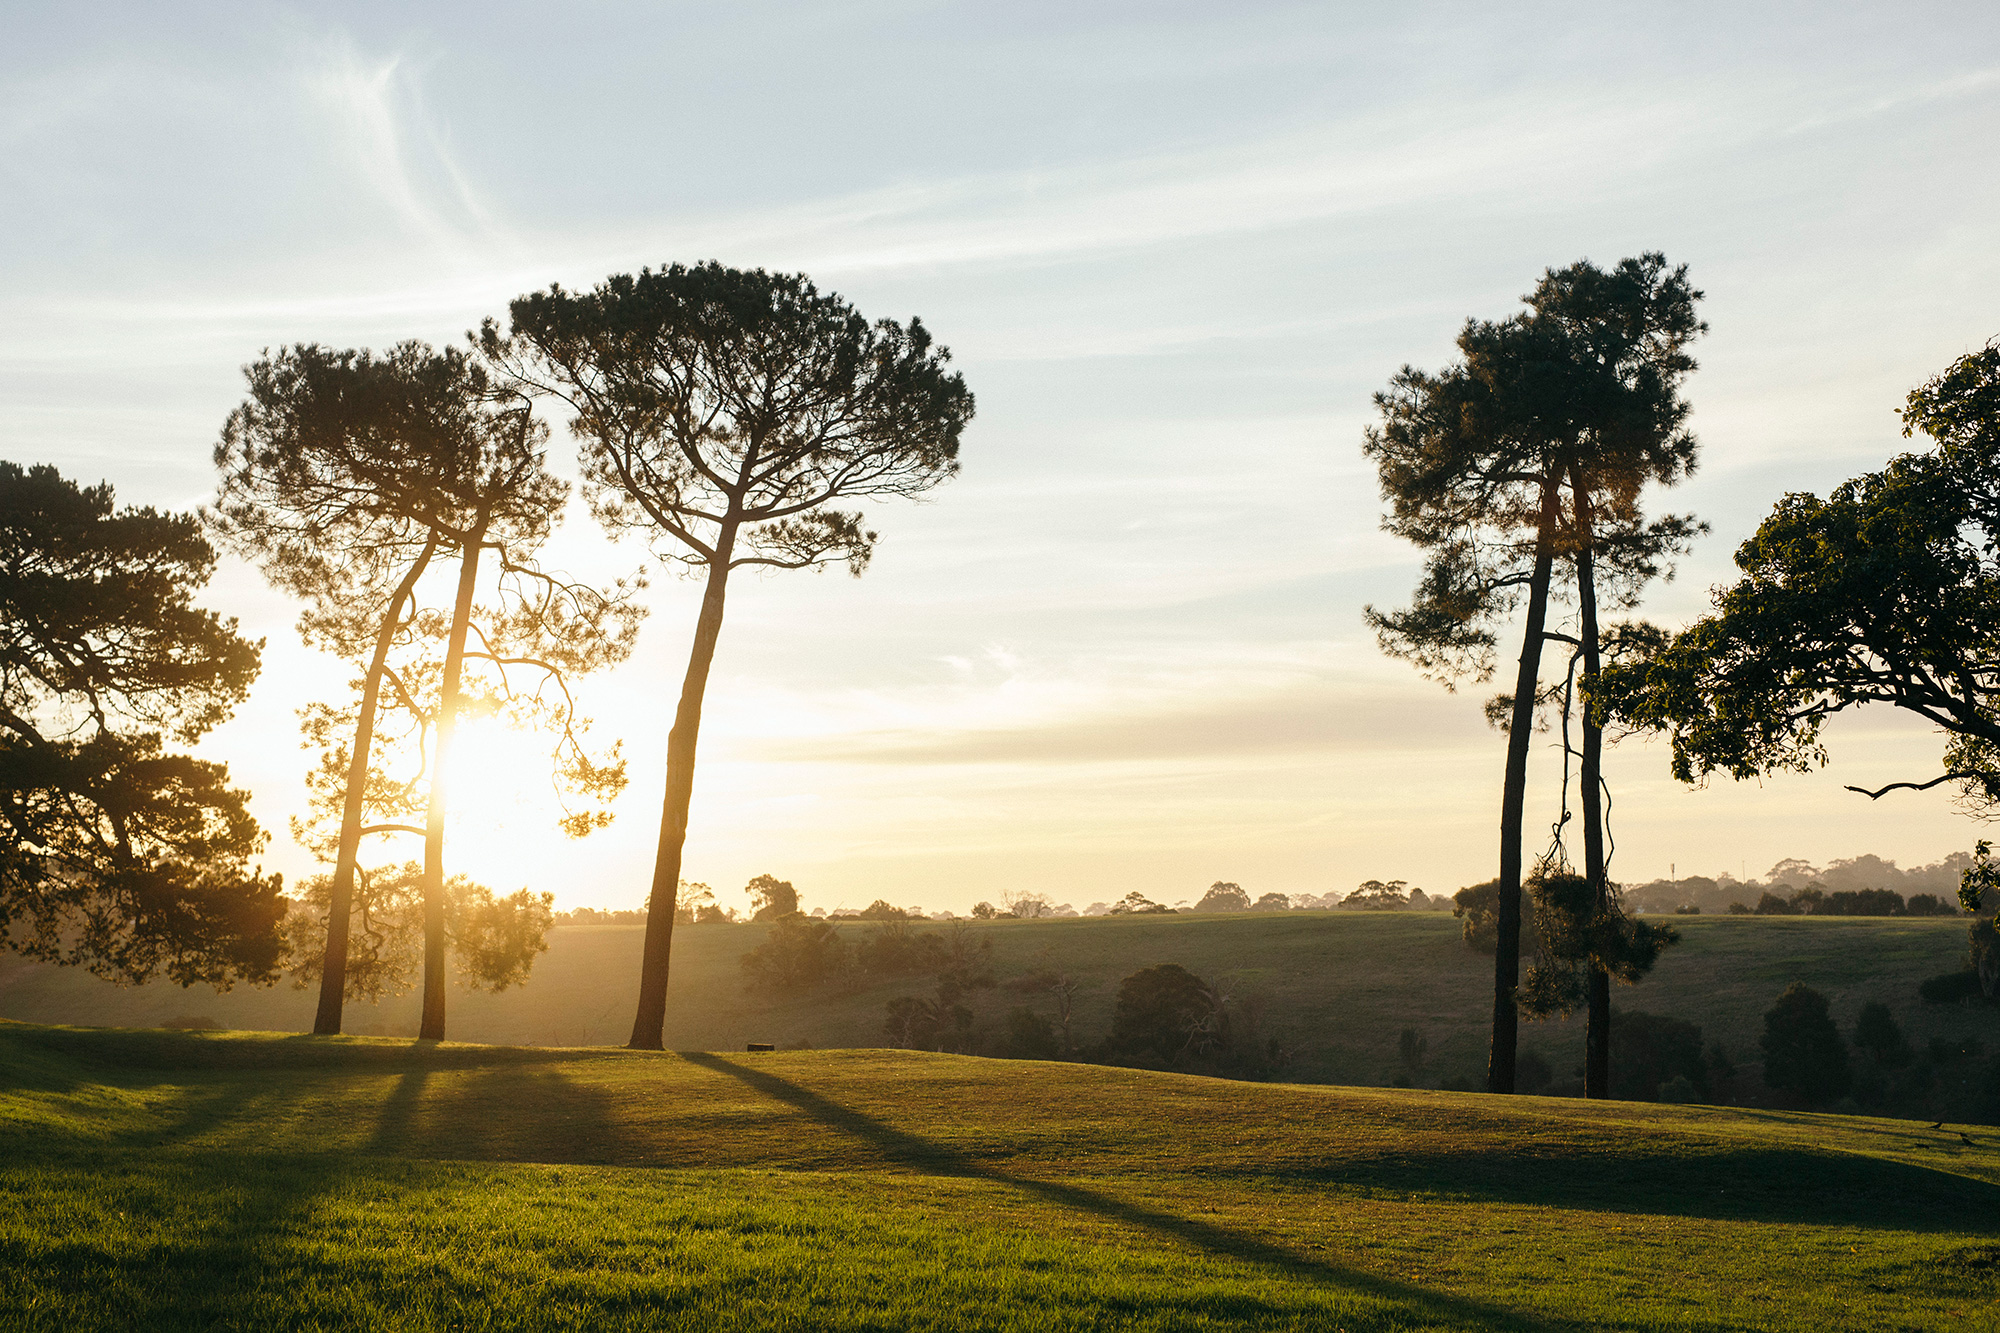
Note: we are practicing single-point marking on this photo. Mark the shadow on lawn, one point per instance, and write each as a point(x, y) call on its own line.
point(935, 1158)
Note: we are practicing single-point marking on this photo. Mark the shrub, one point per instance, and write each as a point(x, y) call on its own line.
point(1803, 1052)
point(800, 954)
point(1031, 1036)
point(1951, 988)
point(1876, 1033)
point(1532, 1072)
point(1678, 1089)
point(1928, 904)
point(1649, 1051)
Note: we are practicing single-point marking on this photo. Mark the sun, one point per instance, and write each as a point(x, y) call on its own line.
point(501, 807)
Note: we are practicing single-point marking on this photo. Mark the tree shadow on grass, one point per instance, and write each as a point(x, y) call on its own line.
point(933, 1158)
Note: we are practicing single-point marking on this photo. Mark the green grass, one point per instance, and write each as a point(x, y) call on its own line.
point(1338, 987)
point(168, 1181)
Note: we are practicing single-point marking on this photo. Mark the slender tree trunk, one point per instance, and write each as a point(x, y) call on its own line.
point(447, 724)
point(1597, 1042)
point(650, 1022)
point(1513, 805)
point(340, 900)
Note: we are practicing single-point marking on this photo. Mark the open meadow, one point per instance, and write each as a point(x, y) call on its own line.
point(1336, 987)
point(248, 1181)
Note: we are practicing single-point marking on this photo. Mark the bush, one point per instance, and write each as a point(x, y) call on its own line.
point(1649, 1051)
point(1803, 1052)
point(1532, 1072)
point(1031, 1036)
point(1679, 1090)
point(1770, 904)
point(1876, 1033)
point(800, 954)
point(1951, 988)
point(1928, 904)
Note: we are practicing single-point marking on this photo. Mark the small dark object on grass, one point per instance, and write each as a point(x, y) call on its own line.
point(1962, 1138)
point(761, 1046)
point(1938, 1125)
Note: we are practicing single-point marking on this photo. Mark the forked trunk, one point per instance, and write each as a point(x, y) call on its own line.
point(340, 898)
point(447, 723)
point(1513, 804)
point(649, 1025)
point(1597, 1041)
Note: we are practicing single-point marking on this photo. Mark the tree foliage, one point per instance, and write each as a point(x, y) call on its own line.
point(1886, 591)
point(1223, 896)
point(494, 940)
point(1803, 1052)
point(725, 416)
point(116, 853)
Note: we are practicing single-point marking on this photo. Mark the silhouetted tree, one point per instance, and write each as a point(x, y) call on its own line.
point(1649, 1051)
point(724, 413)
point(1223, 896)
point(1374, 895)
point(1875, 1032)
point(1134, 903)
point(1272, 902)
point(343, 475)
point(773, 898)
point(1803, 1052)
point(1474, 461)
point(1167, 1014)
point(799, 954)
point(115, 853)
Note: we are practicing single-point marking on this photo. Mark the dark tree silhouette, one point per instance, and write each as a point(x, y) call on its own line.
point(772, 898)
point(1803, 1052)
point(1885, 592)
point(724, 414)
point(1580, 391)
point(1223, 896)
point(114, 853)
point(344, 474)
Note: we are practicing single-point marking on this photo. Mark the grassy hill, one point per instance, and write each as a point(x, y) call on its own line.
point(1337, 986)
point(203, 1181)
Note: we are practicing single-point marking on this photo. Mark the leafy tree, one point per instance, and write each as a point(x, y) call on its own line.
point(344, 474)
point(1649, 1051)
point(1374, 895)
point(1272, 902)
point(1581, 391)
point(1477, 906)
point(725, 413)
point(1062, 986)
point(1580, 935)
point(984, 911)
point(1875, 1032)
point(115, 853)
point(799, 954)
point(1031, 1036)
point(1803, 1052)
point(773, 898)
point(1167, 1014)
point(1134, 903)
point(1025, 905)
point(1223, 896)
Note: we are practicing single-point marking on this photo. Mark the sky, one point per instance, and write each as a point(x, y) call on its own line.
point(1173, 249)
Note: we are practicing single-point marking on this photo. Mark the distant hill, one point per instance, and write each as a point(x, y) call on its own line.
point(1337, 987)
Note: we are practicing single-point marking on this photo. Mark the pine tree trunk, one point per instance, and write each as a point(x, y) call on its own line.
point(1597, 1042)
point(649, 1024)
point(447, 723)
point(1513, 805)
point(340, 898)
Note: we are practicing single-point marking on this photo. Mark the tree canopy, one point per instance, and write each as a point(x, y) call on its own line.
point(114, 852)
point(1886, 591)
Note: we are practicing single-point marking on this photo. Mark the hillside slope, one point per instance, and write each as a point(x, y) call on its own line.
point(1338, 987)
point(239, 1181)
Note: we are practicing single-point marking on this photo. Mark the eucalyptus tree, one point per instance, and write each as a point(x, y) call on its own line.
point(344, 474)
point(115, 853)
point(724, 414)
point(1579, 392)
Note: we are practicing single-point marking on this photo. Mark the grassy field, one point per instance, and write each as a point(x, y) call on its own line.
point(168, 1181)
point(1337, 987)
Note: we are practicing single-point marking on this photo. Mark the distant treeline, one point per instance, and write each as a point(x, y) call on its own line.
point(1858, 886)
